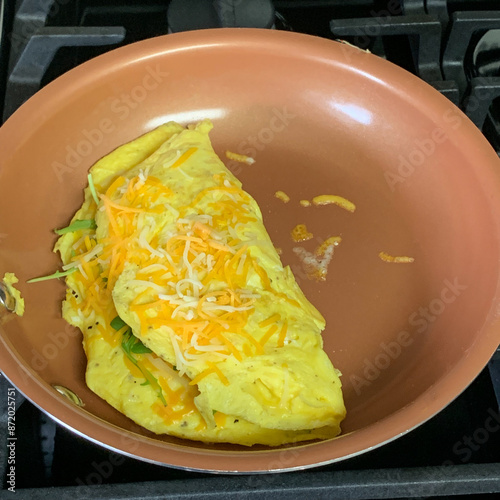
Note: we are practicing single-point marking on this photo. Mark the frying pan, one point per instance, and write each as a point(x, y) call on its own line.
point(319, 117)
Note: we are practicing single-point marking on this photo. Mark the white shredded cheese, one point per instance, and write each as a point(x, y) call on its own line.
point(172, 210)
point(149, 284)
point(184, 173)
point(84, 274)
point(78, 242)
point(154, 267)
point(285, 393)
point(314, 262)
point(180, 361)
point(241, 264)
point(213, 307)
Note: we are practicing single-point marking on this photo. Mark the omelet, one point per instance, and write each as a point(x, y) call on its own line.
point(192, 326)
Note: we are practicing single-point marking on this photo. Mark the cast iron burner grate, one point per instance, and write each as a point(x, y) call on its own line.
point(454, 45)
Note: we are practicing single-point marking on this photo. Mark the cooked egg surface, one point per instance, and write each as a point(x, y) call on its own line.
point(192, 327)
point(9, 280)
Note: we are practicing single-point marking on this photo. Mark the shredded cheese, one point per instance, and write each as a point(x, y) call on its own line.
point(300, 233)
point(316, 266)
point(281, 195)
point(240, 158)
point(332, 240)
point(193, 271)
point(328, 199)
point(184, 157)
point(396, 259)
point(213, 368)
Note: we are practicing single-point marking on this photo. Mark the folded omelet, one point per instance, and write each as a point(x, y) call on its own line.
point(192, 326)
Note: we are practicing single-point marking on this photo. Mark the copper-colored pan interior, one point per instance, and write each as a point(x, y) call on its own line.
point(320, 118)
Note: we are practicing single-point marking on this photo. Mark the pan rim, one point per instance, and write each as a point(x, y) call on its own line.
point(466, 371)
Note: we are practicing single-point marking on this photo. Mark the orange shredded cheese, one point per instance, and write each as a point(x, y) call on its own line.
point(122, 208)
point(396, 259)
point(220, 419)
point(117, 183)
point(240, 158)
point(230, 346)
point(201, 376)
point(281, 195)
point(187, 154)
point(285, 297)
point(181, 404)
point(300, 233)
point(282, 335)
point(269, 321)
point(132, 368)
point(262, 275)
point(328, 199)
point(213, 368)
point(332, 240)
point(112, 221)
point(253, 341)
point(247, 351)
point(112, 338)
point(268, 335)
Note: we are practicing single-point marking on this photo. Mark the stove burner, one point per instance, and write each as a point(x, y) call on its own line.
point(185, 15)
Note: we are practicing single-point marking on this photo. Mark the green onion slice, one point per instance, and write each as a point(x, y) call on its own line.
point(77, 225)
point(57, 274)
point(117, 323)
point(92, 189)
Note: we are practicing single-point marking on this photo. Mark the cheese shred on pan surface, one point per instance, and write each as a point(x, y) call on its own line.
point(191, 325)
